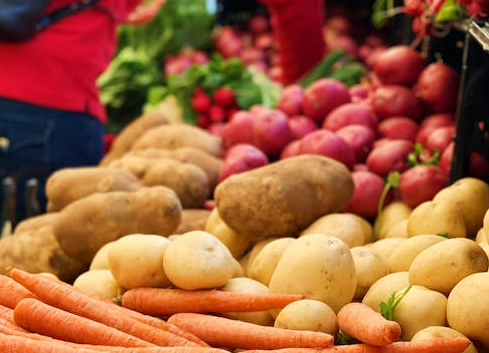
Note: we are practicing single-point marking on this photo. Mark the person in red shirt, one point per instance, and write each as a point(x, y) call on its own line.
point(51, 115)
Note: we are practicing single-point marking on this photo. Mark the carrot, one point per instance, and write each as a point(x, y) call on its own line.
point(167, 301)
point(228, 333)
point(434, 345)
point(65, 297)
point(19, 344)
point(5, 324)
point(366, 325)
point(11, 292)
point(36, 316)
point(7, 314)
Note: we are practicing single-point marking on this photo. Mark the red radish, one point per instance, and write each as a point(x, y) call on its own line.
point(301, 125)
point(228, 43)
point(199, 57)
point(390, 156)
point(437, 87)
point(322, 96)
point(399, 65)
point(224, 97)
point(252, 55)
point(217, 113)
point(421, 183)
point(360, 138)
point(216, 128)
point(349, 114)
point(290, 100)
point(414, 8)
point(430, 123)
point(264, 41)
point(230, 112)
point(440, 138)
point(327, 143)
point(175, 65)
point(203, 121)
point(367, 192)
point(271, 132)
point(258, 24)
point(241, 158)
point(398, 128)
point(395, 100)
point(238, 130)
point(200, 101)
point(293, 148)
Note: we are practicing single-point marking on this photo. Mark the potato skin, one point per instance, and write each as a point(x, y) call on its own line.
point(70, 184)
point(84, 226)
point(36, 222)
point(283, 198)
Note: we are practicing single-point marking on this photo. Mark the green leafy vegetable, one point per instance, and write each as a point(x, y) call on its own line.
point(343, 338)
point(451, 10)
point(387, 308)
point(414, 158)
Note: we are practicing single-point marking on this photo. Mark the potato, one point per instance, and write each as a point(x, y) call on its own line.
point(442, 265)
point(381, 289)
point(100, 282)
point(38, 251)
point(421, 307)
point(255, 250)
point(309, 315)
point(392, 214)
point(283, 198)
point(265, 262)
point(235, 242)
point(131, 132)
point(209, 163)
point(440, 331)
point(346, 226)
point(192, 219)
point(481, 236)
point(319, 266)
point(100, 260)
point(36, 222)
point(398, 230)
point(136, 260)
point(385, 247)
point(471, 196)
point(247, 285)
point(370, 267)
point(173, 136)
point(198, 260)
point(437, 217)
point(468, 307)
point(401, 258)
point(73, 183)
point(87, 224)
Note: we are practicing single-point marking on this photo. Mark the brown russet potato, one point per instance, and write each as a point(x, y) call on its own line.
point(36, 251)
point(284, 197)
point(131, 132)
point(193, 219)
point(36, 222)
point(87, 224)
point(72, 183)
point(173, 136)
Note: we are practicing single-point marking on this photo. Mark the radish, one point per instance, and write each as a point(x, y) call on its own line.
point(437, 87)
point(390, 156)
point(395, 100)
point(367, 192)
point(290, 100)
point(398, 128)
point(327, 143)
point(421, 183)
point(301, 125)
point(241, 158)
point(224, 97)
point(322, 96)
point(399, 65)
point(360, 138)
point(271, 132)
point(201, 102)
point(217, 113)
point(348, 114)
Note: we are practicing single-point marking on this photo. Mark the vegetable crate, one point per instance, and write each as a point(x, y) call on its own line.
point(473, 104)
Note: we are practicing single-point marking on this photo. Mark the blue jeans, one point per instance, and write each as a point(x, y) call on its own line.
point(36, 141)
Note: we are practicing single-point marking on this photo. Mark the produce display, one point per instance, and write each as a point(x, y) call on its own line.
point(311, 216)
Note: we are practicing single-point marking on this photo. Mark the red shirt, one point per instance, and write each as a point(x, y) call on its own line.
point(58, 68)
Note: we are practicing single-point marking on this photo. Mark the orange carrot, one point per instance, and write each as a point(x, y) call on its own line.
point(228, 333)
point(11, 292)
point(366, 325)
point(36, 316)
point(65, 297)
point(434, 345)
point(5, 324)
point(167, 301)
point(7, 314)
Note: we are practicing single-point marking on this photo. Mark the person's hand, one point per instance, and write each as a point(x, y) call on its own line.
point(144, 13)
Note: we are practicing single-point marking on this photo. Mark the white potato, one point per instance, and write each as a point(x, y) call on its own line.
point(100, 282)
point(136, 260)
point(382, 289)
point(309, 315)
point(385, 247)
point(101, 260)
point(198, 260)
point(370, 266)
point(441, 331)
point(392, 214)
